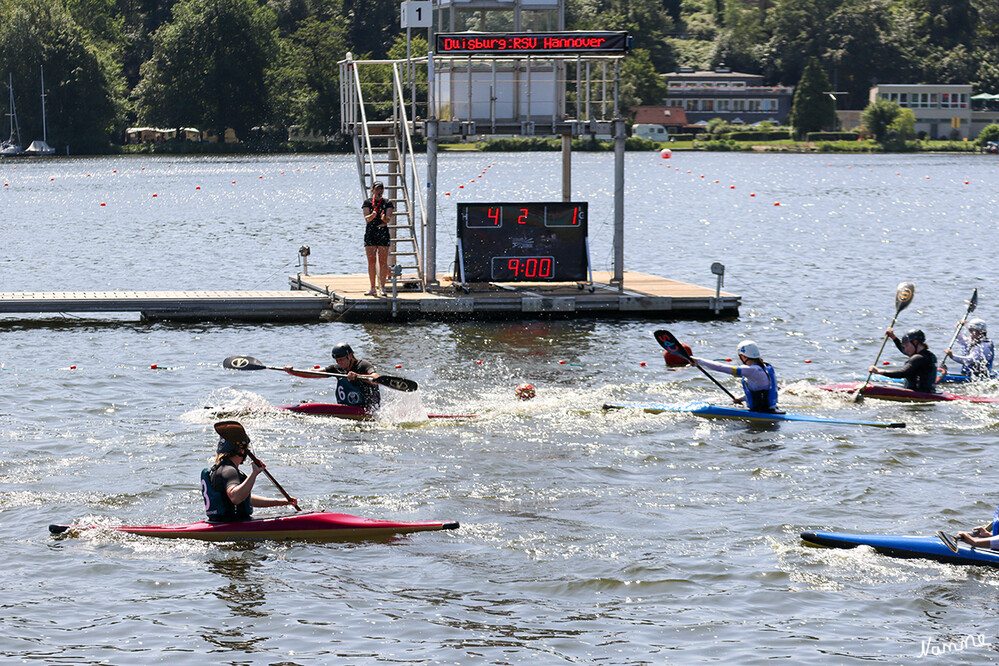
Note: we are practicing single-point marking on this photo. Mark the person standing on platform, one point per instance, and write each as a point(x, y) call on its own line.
point(378, 212)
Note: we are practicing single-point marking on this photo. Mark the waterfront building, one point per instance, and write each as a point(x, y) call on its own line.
point(735, 97)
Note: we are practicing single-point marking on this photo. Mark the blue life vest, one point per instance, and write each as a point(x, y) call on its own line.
point(763, 400)
point(348, 394)
point(218, 506)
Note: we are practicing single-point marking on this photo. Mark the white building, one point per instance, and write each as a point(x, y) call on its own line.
point(942, 111)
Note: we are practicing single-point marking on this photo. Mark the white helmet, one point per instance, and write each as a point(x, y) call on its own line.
point(749, 349)
point(977, 325)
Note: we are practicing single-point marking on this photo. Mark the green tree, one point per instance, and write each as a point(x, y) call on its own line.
point(208, 67)
point(640, 84)
point(305, 81)
point(84, 87)
point(813, 108)
point(878, 117)
point(903, 128)
point(988, 133)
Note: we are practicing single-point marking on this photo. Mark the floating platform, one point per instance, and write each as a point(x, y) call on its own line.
point(267, 306)
point(644, 296)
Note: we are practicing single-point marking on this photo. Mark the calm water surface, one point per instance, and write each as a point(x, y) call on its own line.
point(586, 537)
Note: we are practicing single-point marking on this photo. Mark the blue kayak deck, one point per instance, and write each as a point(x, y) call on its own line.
point(707, 410)
point(906, 547)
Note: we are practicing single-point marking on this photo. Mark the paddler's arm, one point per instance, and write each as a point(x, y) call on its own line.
point(977, 542)
point(352, 376)
point(734, 370)
point(890, 333)
point(264, 502)
point(239, 492)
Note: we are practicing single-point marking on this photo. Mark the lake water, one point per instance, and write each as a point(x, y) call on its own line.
point(586, 537)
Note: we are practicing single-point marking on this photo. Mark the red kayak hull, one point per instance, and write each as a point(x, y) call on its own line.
point(323, 409)
point(316, 526)
point(882, 392)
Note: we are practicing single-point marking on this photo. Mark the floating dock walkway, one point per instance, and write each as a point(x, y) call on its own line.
point(263, 306)
point(342, 298)
point(645, 296)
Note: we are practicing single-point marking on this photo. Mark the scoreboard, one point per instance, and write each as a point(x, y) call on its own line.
point(522, 242)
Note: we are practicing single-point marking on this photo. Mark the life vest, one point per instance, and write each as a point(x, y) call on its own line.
point(763, 400)
point(926, 382)
point(348, 394)
point(218, 506)
point(982, 365)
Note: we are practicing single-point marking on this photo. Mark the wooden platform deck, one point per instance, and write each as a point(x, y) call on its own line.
point(270, 306)
point(644, 296)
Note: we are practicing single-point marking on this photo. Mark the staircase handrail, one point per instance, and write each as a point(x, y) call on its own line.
point(397, 85)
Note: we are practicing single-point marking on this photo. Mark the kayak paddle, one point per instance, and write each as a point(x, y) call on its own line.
point(273, 480)
point(250, 363)
point(669, 342)
point(903, 296)
point(949, 540)
point(972, 304)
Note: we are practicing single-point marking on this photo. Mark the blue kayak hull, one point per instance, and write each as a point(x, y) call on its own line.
point(707, 410)
point(906, 547)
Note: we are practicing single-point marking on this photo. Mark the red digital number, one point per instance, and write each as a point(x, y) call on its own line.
point(545, 267)
point(575, 215)
point(494, 215)
point(523, 216)
point(514, 266)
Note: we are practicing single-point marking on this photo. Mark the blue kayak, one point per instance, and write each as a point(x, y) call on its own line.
point(707, 410)
point(906, 547)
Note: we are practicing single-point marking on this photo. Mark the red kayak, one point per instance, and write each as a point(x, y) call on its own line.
point(318, 526)
point(321, 409)
point(882, 392)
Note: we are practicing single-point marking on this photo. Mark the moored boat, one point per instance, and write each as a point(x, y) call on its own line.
point(897, 393)
point(315, 526)
point(707, 410)
point(906, 547)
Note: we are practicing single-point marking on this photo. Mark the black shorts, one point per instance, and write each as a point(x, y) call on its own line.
point(376, 235)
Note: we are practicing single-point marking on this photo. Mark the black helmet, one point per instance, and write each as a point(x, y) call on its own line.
point(342, 350)
point(915, 335)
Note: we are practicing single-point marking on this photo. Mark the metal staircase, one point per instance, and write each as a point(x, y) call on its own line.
point(382, 149)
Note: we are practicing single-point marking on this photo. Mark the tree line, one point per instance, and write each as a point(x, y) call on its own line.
point(214, 64)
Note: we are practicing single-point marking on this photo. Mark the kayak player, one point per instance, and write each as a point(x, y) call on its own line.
point(228, 492)
point(352, 389)
point(920, 371)
point(977, 351)
point(759, 381)
point(983, 536)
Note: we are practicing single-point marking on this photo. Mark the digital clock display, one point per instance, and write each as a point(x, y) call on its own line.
point(534, 43)
point(522, 242)
point(511, 269)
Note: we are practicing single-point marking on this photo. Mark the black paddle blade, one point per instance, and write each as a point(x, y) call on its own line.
point(397, 383)
point(974, 301)
point(948, 540)
point(669, 342)
point(243, 363)
point(903, 295)
point(59, 529)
